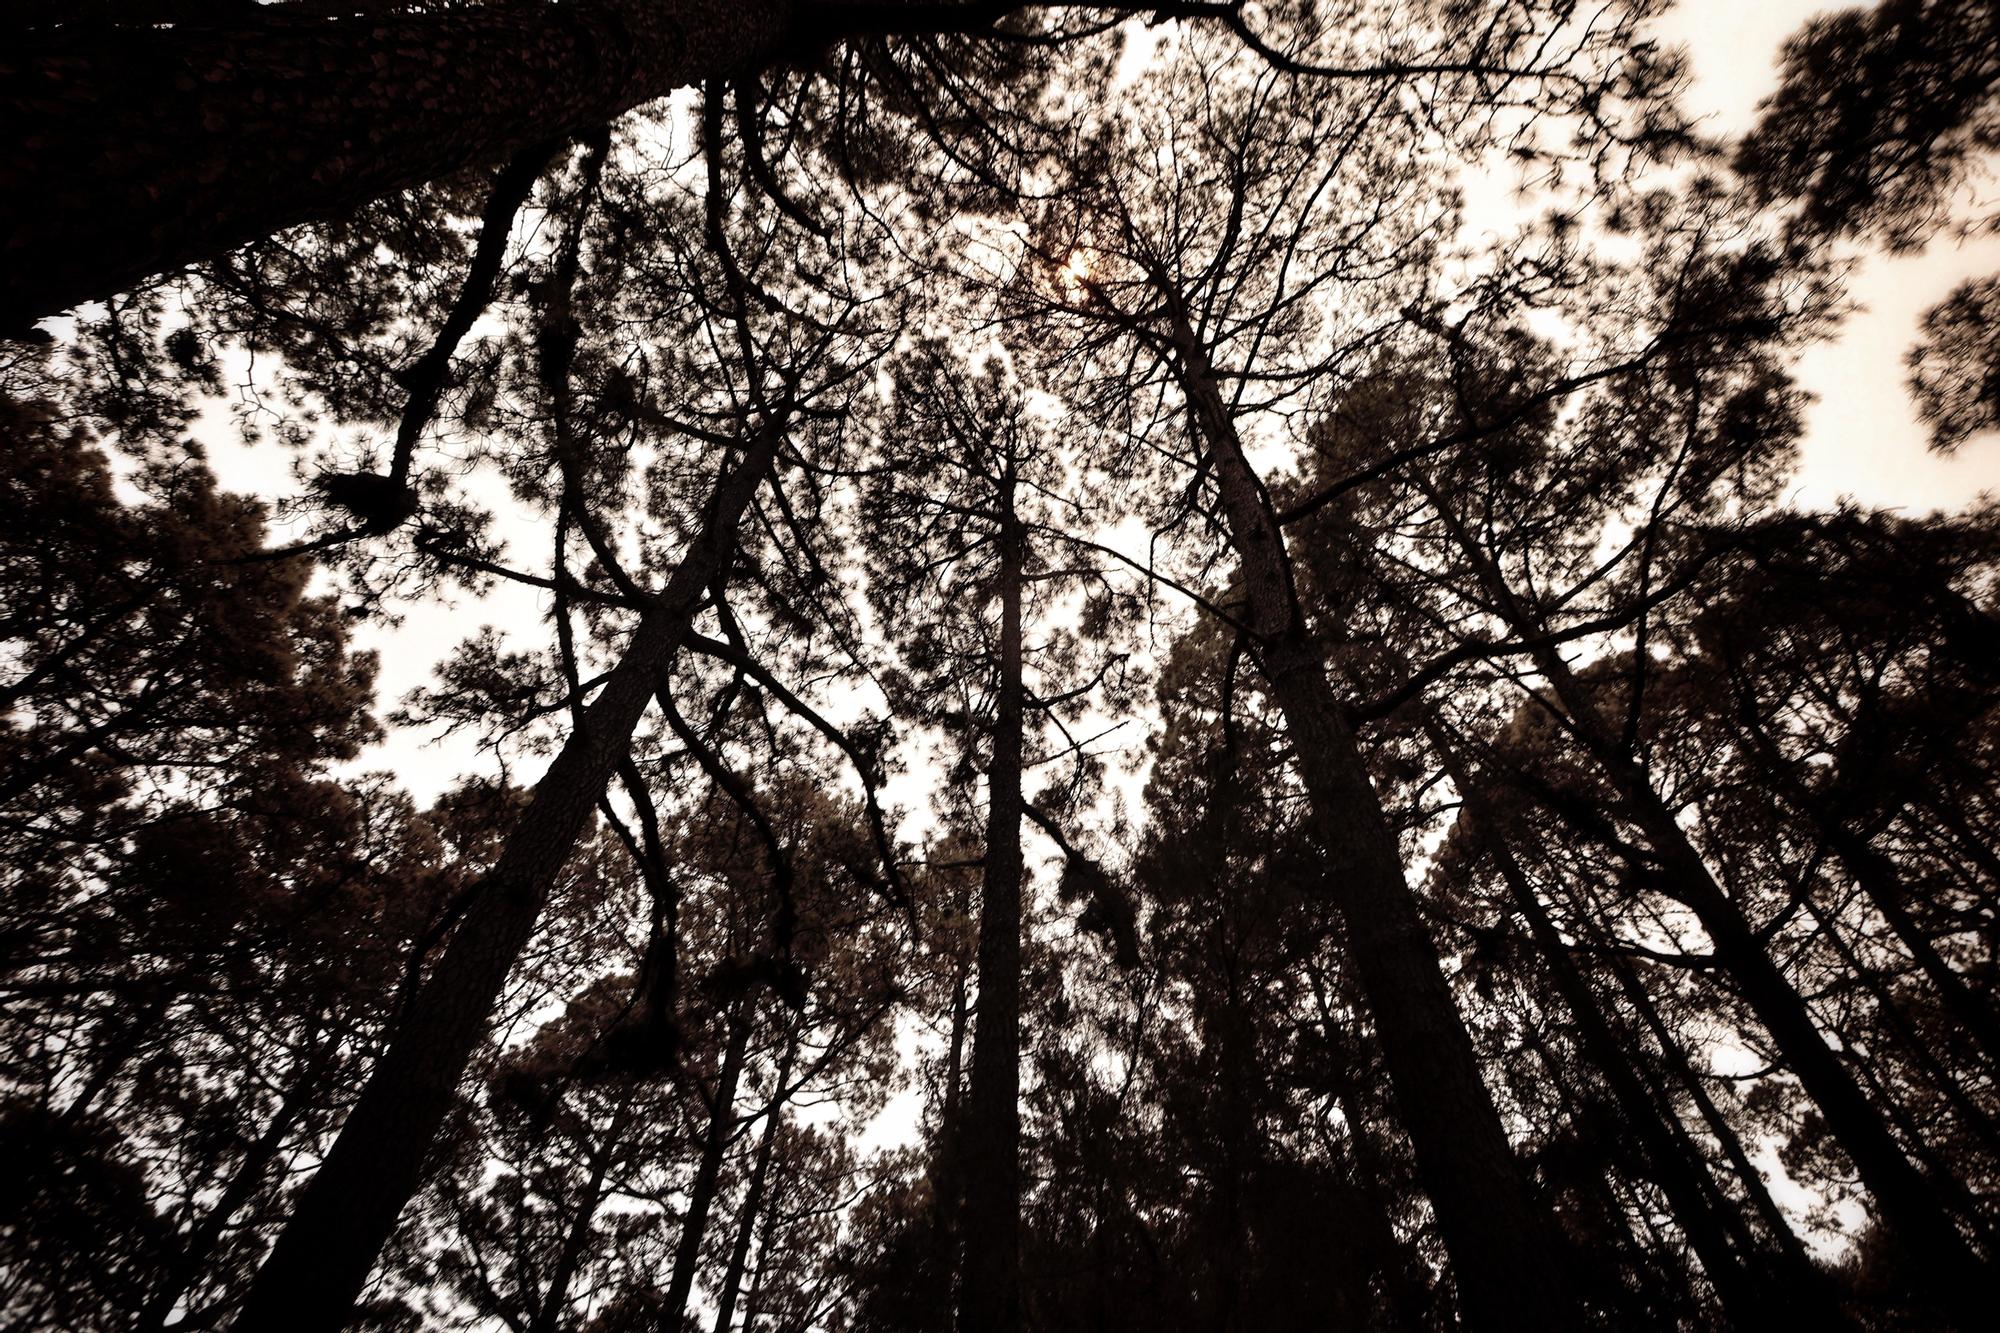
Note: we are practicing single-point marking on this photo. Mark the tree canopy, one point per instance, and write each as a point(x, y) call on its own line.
point(1079, 694)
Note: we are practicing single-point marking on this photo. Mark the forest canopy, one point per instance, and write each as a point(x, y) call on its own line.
point(951, 666)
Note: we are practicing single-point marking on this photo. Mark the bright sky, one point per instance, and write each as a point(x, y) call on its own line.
point(1862, 438)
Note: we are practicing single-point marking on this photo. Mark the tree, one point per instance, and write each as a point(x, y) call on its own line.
point(1485, 838)
point(1955, 368)
point(324, 1254)
point(1878, 115)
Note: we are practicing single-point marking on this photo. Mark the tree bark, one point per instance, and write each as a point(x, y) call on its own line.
point(990, 1292)
point(323, 1256)
point(701, 1194)
point(1504, 1252)
point(135, 149)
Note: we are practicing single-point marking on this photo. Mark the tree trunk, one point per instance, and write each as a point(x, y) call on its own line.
point(1404, 1284)
point(753, 1299)
point(1502, 1241)
point(990, 1294)
point(1882, 883)
point(576, 1241)
point(135, 149)
point(322, 1258)
point(1670, 1168)
point(701, 1194)
point(753, 1194)
point(947, 1198)
point(1718, 1124)
point(195, 1251)
point(132, 1034)
point(1909, 1204)
point(1879, 881)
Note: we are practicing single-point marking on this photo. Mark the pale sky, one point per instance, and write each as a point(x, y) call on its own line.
point(1862, 437)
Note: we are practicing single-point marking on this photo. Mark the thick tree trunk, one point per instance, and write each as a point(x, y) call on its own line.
point(1504, 1251)
point(701, 1194)
point(753, 1194)
point(133, 149)
point(345, 1214)
point(990, 1294)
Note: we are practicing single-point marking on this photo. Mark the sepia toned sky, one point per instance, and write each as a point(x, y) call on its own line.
point(1862, 439)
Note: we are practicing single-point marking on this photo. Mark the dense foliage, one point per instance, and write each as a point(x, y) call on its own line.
point(1107, 709)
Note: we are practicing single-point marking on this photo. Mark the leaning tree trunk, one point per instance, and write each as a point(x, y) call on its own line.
point(576, 1241)
point(1909, 1203)
point(990, 1141)
point(701, 1194)
point(1880, 880)
point(132, 149)
point(1502, 1241)
point(1683, 1073)
point(1746, 1304)
point(753, 1193)
point(322, 1258)
point(1882, 884)
point(195, 1251)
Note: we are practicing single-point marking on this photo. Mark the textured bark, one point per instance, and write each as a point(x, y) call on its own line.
point(1503, 1247)
point(136, 149)
point(701, 1194)
point(990, 1141)
point(322, 1258)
